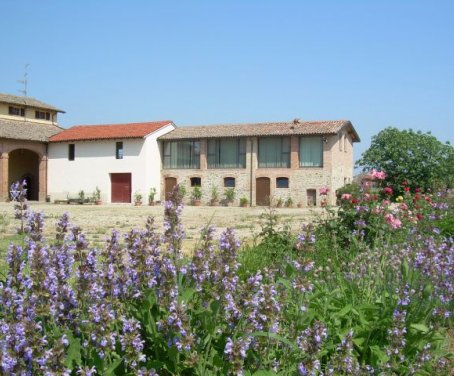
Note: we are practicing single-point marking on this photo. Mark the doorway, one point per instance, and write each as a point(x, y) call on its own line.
point(121, 187)
point(262, 191)
point(170, 184)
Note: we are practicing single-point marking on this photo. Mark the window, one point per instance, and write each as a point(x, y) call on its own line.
point(227, 153)
point(281, 182)
point(42, 115)
point(229, 182)
point(196, 182)
point(182, 154)
point(16, 111)
point(340, 142)
point(345, 143)
point(274, 152)
point(71, 152)
point(119, 150)
point(311, 152)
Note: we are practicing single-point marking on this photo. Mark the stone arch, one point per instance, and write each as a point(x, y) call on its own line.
point(24, 164)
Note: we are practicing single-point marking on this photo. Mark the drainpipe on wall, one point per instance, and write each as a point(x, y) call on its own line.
point(250, 182)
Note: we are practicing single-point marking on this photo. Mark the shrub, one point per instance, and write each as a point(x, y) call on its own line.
point(137, 307)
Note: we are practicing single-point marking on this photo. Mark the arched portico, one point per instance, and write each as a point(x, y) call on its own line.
point(20, 164)
point(23, 165)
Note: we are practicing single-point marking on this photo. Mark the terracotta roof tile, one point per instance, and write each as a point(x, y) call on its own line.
point(109, 131)
point(27, 130)
point(296, 127)
point(27, 102)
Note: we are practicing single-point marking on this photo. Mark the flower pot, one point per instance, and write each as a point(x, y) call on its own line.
point(151, 203)
point(214, 202)
point(98, 202)
point(300, 205)
point(138, 203)
point(244, 204)
point(196, 202)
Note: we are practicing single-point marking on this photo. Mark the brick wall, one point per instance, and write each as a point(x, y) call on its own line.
point(337, 167)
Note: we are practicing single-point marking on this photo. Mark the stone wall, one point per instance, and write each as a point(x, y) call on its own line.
point(337, 169)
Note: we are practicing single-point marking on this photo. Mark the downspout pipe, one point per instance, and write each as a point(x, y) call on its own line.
point(250, 182)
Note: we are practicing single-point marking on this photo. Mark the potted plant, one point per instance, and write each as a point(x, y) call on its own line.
point(137, 198)
point(279, 202)
point(300, 205)
point(97, 196)
point(229, 194)
point(81, 196)
point(214, 196)
point(151, 196)
point(289, 202)
point(244, 202)
point(196, 196)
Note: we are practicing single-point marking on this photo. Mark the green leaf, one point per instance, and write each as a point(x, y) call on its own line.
point(73, 351)
point(378, 354)
point(113, 367)
point(420, 327)
point(343, 312)
point(276, 337)
point(263, 373)
point(187, 294)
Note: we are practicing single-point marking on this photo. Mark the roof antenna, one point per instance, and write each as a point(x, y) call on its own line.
point(24, 81)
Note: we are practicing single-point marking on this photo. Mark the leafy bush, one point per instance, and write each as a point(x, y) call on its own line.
point(137, 307)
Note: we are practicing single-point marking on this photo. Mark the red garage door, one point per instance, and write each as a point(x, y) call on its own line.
point(121, 187)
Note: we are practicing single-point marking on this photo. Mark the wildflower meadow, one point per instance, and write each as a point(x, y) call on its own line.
point(368, 290)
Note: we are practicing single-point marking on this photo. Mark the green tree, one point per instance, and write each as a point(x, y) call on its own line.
point(417, 158)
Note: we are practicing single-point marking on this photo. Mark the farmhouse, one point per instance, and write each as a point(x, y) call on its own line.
point(119, 159)
point(261, 161)
point(25, 126)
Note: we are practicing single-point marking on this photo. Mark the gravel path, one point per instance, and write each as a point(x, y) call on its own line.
point(98, 221)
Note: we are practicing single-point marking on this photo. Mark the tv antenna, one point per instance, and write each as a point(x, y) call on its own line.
point(24, 81)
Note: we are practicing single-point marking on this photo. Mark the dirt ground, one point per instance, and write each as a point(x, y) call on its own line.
point(98, 221)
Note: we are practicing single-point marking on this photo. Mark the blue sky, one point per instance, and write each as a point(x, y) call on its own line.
point(376, 63)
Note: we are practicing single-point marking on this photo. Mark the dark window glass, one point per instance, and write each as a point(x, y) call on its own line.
point(47, 115)
point(311, 152)
point(119, 150)
point(16, 111)
point(274, 152)
point(282, 182)
point(227, 153)
point(196, 182)
point(229, 182)
point(40, 115)
point(181, 154)
point(71, 152)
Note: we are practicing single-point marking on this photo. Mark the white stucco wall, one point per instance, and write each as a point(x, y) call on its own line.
point(95, 161)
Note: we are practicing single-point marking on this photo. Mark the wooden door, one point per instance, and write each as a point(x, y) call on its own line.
point(262, 191)
point(121, 187)
point(170, 184)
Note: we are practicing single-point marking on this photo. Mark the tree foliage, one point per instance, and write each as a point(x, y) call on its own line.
point(416, 159)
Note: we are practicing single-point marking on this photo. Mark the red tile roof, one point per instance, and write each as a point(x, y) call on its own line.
point(295, 127)
point(108, 131)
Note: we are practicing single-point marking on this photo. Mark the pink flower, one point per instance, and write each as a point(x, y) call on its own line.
point(324, 190)
point(403, 206)
point(393, 221)
point(380, 175)
point(346, 196)
point(388, 191)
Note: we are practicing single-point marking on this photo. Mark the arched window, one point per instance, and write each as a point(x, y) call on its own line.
point(229, 182)
point(282, 182)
